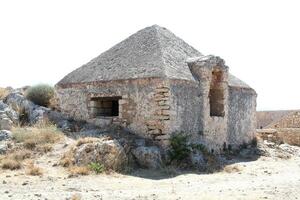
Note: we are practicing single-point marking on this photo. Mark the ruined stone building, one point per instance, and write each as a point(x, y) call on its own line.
point(155, 84)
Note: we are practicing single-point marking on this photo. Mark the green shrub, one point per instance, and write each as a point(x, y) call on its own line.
point(40, 94)
point(200, 147)
point(179, 148)
point(96, 167)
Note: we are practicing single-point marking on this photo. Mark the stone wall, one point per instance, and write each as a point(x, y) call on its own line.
point(144, 107)
point(281, 135)
point(242, 119)
point(265, 118)
point(291, 120)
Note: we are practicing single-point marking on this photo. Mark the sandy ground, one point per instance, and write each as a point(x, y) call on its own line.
point(264, 178)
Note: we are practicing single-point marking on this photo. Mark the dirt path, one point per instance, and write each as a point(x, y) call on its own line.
point(265, 178)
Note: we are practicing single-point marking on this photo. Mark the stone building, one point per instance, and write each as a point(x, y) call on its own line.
point(155, 84)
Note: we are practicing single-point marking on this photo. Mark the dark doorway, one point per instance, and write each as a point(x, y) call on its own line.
point(216, 95)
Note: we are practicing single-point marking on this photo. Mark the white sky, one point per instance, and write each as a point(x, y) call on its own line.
point(41, 41)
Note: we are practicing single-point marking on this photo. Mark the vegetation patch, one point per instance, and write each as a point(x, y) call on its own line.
point(40, 94)
point(37, 136)
point(12, 164)
point(179, 148)
point(96, 167)
point(3, 93)
point(34, 170)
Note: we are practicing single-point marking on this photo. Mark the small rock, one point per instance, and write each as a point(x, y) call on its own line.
point(4, 182)
point(25, 183)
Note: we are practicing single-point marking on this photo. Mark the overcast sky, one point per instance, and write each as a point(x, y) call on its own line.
point(41, 41)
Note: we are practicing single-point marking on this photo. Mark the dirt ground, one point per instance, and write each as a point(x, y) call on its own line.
point(264, 178)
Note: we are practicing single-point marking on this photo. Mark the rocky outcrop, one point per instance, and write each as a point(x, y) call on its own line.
point(5, 135)
point(148, 157)
point(107, 152)
point(4, 143)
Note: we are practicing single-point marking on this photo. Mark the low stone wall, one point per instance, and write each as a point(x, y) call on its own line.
point(282, 135)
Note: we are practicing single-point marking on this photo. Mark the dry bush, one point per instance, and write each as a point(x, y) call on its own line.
point(12, 164)
point(34, 170)
point(20, 155)
point(13, 160)
point(75, 197)
point(67, 160)
point(85, 140)
point(40, 94)
point(3, 93)
point(29, 143)
point(232, 168)
point(44, 148)
point(40, 134)
point(78, 170)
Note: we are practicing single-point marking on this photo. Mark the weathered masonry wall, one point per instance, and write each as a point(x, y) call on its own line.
point(143, 108)
point(291, 120)
point(242, 116)
point(186, 108)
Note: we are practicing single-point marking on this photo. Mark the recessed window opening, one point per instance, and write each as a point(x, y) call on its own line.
point(216, 95)
point(105, 106)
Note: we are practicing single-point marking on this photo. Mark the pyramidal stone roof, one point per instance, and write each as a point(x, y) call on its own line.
point(151, 52)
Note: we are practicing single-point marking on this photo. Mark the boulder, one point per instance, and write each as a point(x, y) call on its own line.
point(148, 157)
point(3, 147)
point(6, 111)
point(107, 152)
point(24, 107)
point(5, 135)
point(5, 124)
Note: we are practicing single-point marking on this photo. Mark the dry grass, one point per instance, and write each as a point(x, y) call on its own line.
point(75, 197)
point(3, 93)
point(44, 148)
point(20, 155)
point(67, 160)
point(12, 164)
point(85, 140)
point(77, 170)
point(14, 160)
point(34, 170)
point(41, 134)
point(232, 168)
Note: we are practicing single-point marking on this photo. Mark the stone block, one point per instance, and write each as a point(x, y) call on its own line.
point(166, 112)
point(154, 132)
point(163, 103)
point(161, 99)
point(159, 96)
point(162, 117)
point(122, 101)
point(166, 94)
point(162, 90)
point(162, 137)
point(164, 107)
point(151, 122)
point(151, 127)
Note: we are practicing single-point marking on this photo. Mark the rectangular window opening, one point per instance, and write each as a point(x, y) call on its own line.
point(105, 106)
